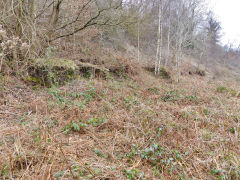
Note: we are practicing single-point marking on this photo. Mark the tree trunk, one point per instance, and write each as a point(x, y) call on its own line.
point(168, 36)
point(159, 40)
point(55, 13)
point(31, 6)
point(1, 62)
point(160, 48)
point(54, 17)
point(138, 41)
point(19, 18)
point(179, 55)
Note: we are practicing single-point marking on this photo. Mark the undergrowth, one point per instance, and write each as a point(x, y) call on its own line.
point(129, 128)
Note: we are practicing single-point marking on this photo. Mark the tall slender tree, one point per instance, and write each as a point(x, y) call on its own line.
point(159, 40)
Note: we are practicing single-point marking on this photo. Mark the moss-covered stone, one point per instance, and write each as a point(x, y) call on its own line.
point(51, 71)
point(53, 63)
point(164, 73)
point(87, 70)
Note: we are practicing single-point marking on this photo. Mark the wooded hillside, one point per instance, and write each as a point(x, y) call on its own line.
point(117, 89)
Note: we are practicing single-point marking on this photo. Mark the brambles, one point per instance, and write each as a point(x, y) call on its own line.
point(134, 174)
point(57, 94)
point(96, 113)
point(78, 126)
point(156, 156)
point(161, 130)
point(121, 129)
point(101, 154)
point(232, 130)
point(176, 95)
point(219, 174)
point(172, 95)
point(59, 174)
point(130, 101)
point(95, 121)
point(80, 99)
point(74, 127)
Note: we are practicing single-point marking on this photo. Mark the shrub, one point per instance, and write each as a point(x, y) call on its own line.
point(14, 50)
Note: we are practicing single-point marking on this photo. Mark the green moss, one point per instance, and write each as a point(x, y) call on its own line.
point(233, 92)
point(222, 89)
point(164, 73)
point(51, 63)
point(47, 72)
point(1, 78)
point(34, 79)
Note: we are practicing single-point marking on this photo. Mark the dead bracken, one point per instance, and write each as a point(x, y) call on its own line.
point(117, 89)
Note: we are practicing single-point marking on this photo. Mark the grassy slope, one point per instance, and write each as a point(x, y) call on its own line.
point(140, 127)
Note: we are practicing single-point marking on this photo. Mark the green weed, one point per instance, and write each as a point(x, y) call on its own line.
point(134, 174)
point(222, 89)
point(95, 121)
point(74, 127)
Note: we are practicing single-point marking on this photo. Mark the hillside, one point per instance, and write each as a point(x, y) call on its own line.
point(117, 90)
point(137, 126)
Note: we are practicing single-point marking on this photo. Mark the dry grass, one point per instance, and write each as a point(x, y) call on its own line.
point(140, 127)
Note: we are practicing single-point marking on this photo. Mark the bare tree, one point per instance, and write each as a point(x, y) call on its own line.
point(213, 32)
point(159, 40)
point(168, 34)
